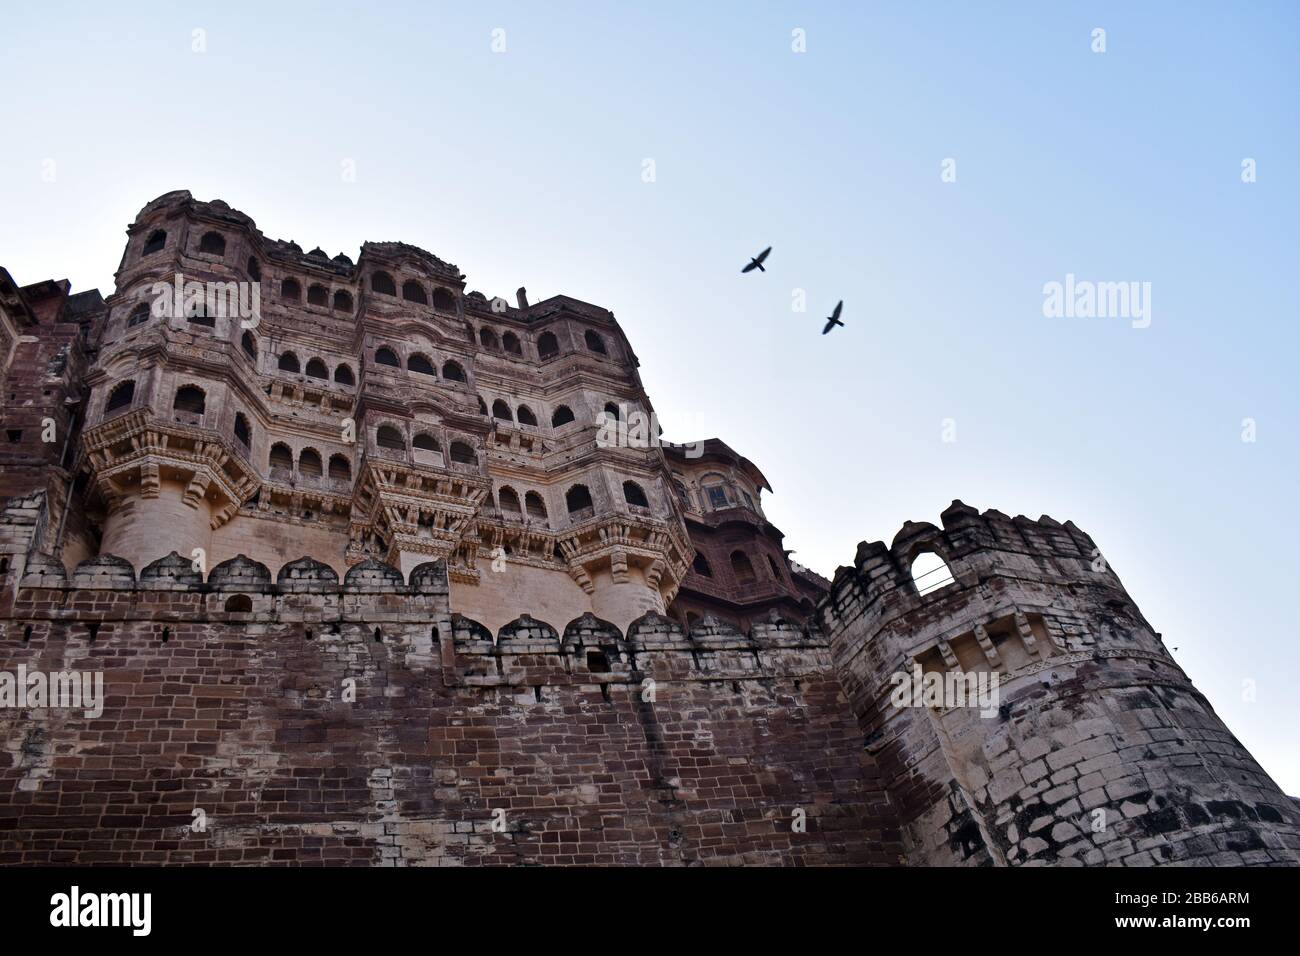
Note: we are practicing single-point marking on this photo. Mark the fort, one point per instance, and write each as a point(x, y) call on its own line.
point(366, 588)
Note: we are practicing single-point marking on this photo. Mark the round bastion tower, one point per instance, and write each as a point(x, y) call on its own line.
point(1094, 748)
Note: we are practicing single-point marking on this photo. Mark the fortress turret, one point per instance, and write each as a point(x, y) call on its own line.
point(1095, 747)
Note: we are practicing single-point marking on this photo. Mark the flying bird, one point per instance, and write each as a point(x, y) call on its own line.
point(757, 261)
point(833, 319)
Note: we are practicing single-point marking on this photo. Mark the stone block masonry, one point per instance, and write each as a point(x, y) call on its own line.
point(362, 723)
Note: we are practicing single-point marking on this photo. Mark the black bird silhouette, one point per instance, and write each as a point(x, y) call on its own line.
point(833, 319)
point(757, 261)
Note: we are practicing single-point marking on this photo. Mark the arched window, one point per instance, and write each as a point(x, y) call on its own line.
point(309, 463)
point(290, 290)
point(425, 442)
point(242, 434)
point(453, 372)
point(189, 398)
point(214, 243)
point(510, 342)
point(577, 498)
point(289, 362)
point(463, 454)
point(343, 301)
point(548, 346)
point(443, 299)
point(254, 269)
point(281, 457)
point(701, 566)
point(594, 342)
point(316, 369)
point(776, 571)
point(239, 604)
point(249, 345)
point(318, 295)
point(343, 375)
point(487, 338)
point(683, 495)
point(383, 283)
point(508, 501)
point(562, 416)
point(717, 496)
point(340, 468)
point(741, 567)
point(634, 494)
point(611, 410)
point(534, 505)
point(929, 572)
point(482, 405)
point(157, 239)
point(502, 411)
point(386, 356)
point(420, 363)
point(390, 437)
point(525, 416)
point(412, 291)
point(120, 397)
point(139, 315)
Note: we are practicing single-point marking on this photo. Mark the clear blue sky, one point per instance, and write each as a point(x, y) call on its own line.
point(525, 168)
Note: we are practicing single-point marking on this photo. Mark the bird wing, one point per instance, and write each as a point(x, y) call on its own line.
point(750, 267)
point(763, 255)
point(830, 324)
point(839, 305)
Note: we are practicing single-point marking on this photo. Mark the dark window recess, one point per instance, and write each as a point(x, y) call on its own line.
point(597, 662)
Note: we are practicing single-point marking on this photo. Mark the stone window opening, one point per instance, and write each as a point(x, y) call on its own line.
point(548, 346)
point(386, 356)
point(444, 299)
point(578, 499)
point(776, 572)
point(309, 464)
point(597, 662)
point(412, 291)
point(157, 239)
point(421, 364)
point(525, 416)
point(487, 338)
point(213, 243)
point(594, 342)
point(717, 496)
point(930, 573)
point(318, 295)
point(340, 468)
point(139, 315)
point(242, 434)
point(463, 454)
point(383, 283)
point(389, 437)
point(254, 269)
point(289, 363)
point(343, 301)
point(510, 342)
point(742, 568)
point(290, 290)
point(120, 398)
point(189, 398)
point(452, 372)
point(634, 495)
point(249, 345)
point(501, 411)
point(701, 566)
point(281, 459)
point(534, 505)
point(239, 604)
point(562, 416)
point(508, 500)
point(425, 442)
point(343, 375)
point(316, 369)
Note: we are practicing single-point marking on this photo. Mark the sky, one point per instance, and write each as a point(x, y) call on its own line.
point(517, 140)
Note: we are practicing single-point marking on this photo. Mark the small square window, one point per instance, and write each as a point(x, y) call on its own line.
point(718, 496)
